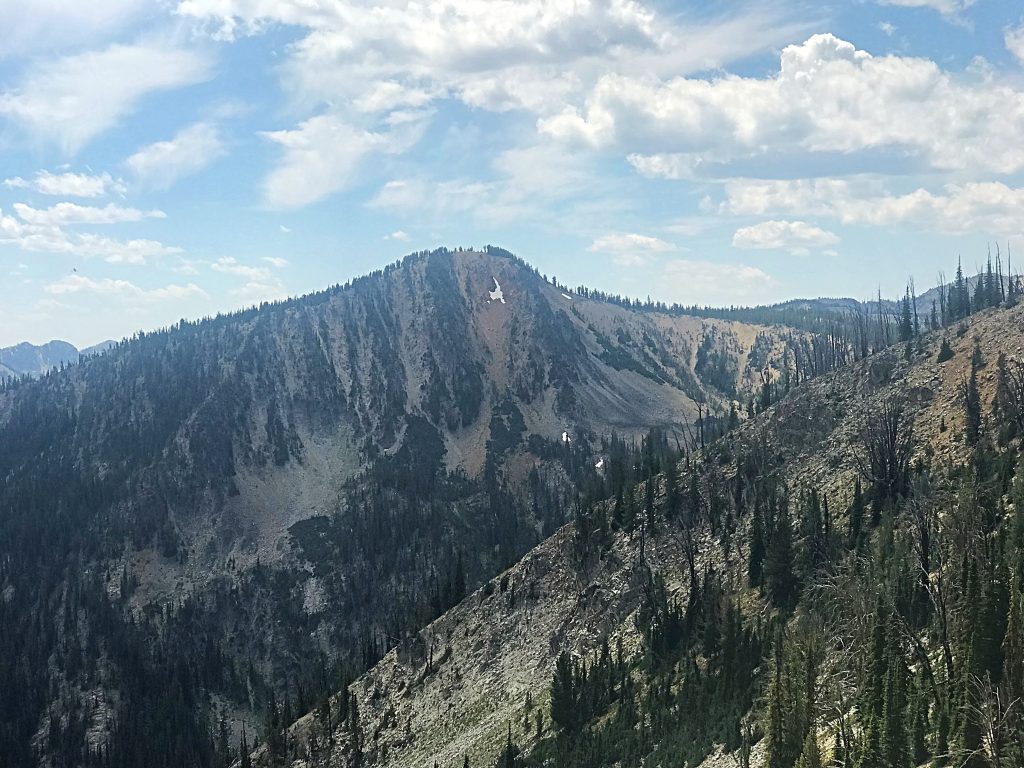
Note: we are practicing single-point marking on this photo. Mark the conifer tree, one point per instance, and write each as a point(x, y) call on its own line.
point(563, 693)
point(778, 568)
point(810, 755)
point(755, 565)
point(856, 515)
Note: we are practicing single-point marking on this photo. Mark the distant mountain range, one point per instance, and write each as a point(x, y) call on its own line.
point(35, 360)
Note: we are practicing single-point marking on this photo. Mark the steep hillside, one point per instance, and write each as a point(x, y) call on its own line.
point(230, 514)
point(770, 561)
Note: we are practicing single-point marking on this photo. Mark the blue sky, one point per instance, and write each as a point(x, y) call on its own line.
point(173, 159)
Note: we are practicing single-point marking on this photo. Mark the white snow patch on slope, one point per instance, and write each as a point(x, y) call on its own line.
point(566, 438)
point(497, 294)
point(566, 295)
point(600, 463)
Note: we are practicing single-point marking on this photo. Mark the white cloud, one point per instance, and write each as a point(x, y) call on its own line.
point(51, 24)
point(44, 236)
point(359, 65)
point(323, 154)
point(665, 166)
point(73, 99)
point(887, 28)
point(945, 7)
point(285, 230)
point(526, 183)
point(255, 292)
point(989, 208)
point(494, 54)
point(630, 249)
point(228, 265)
point(68, 184)
point(399, 235)
point(691, 281)
point(137, 251)
point(124, 289)
point(828, 98)
point(63, 214)
point(1014, 39)
point(795, 235)
point(192, 149)
point(276, 261)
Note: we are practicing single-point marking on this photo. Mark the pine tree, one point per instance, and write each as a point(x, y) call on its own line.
point(945, 351)
point(906, 319)
point(894, 734)
point(563, 693)
point(919, 726)
point(856, 515)
point(778, 569)
point(755, 565)
point(509, 757)
point(810, 755)
point(243, 751)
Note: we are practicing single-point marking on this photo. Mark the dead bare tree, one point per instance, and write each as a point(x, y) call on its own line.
point(993, 711)
point(888, 444)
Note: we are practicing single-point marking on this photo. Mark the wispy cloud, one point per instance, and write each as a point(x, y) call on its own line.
point(41, 232)
point(630, 249)
point(68, 184)
point(124, 289)
point(193, 148)
point(71, 100)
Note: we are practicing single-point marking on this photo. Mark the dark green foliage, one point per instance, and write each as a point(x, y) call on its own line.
point(779, 577)
point(717, 364)
point(755, 562)
point(945, 351)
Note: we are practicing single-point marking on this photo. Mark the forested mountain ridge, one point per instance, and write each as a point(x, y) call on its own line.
point(32, 360)
point(836, 581)
point(225, 520)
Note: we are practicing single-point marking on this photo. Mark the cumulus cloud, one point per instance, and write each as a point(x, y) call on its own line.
point(495, 54)
point(793, 235)
point(399, 235)
point(71, 100)
point(618, 242)
point(276, 261)
point(68, 184)
point(366, 63)
point(991, 208)
point(192, 149)
point(665, 166)
point(827, 98)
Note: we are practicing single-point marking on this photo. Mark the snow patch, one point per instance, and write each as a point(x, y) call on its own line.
point(497, 294)
point(600, 463)
point(566, 295)
point(566, 438)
